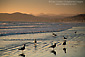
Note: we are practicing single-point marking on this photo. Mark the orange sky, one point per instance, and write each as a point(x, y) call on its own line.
point(39, 6)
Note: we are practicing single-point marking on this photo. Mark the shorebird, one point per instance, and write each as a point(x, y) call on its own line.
point(64, 43)
point(35, 42)
point(75, 32)
point(53, 46)
point(22, 48)
point(64, 37)
point(54, 34)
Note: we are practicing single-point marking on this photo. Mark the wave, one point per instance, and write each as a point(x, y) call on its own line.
point(15, 28)
point(32, 32)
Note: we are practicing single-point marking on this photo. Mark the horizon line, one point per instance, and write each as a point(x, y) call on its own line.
point(41, 13)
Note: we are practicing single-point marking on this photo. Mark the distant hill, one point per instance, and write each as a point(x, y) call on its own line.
point(77, 18)
point(41, 18)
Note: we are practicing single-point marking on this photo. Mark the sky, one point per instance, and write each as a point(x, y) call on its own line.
point(40, 6)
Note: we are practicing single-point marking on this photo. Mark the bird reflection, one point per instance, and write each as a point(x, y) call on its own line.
point(23, 55)
point(64, 50)
point(35, 47)
point(54, 52)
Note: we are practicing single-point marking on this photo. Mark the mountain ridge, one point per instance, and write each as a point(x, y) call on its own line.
point(43, 18)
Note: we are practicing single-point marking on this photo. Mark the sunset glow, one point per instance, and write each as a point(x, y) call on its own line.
point(39, 6)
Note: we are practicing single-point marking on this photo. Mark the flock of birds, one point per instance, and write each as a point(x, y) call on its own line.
point(52, 46)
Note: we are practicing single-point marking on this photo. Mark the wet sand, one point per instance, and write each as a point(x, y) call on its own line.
point(74, 44)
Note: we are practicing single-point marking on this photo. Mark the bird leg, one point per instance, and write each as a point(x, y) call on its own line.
point(22, 51)
point(53, 48)
point(64, 46)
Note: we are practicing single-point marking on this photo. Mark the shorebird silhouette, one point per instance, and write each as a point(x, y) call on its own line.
point(64, 37)
point(54, 52)
point(75, 32)
point(54, 34)
point(53, 46)
point(22, 48)
point(64, 43)
point(35, 42)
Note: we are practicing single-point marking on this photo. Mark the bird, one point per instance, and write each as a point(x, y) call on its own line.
point(22, 48)
point(64, 37)
point(35, 42)
point(64, 43)
point(54, 34)
point(75, 32)
point(53, 46)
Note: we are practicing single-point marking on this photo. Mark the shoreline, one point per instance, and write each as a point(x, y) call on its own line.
point(15, 28)
point(34, 32)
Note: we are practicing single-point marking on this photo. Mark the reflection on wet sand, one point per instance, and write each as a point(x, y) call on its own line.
point(64, 50)
point(22, 55)
point(35, 47)
point(54, 52)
